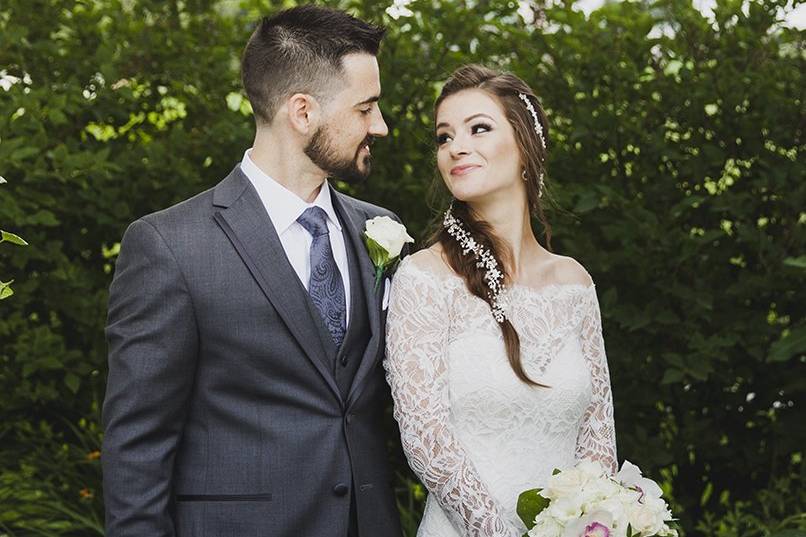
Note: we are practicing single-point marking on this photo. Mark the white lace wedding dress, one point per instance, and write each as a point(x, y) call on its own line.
point(475, 434)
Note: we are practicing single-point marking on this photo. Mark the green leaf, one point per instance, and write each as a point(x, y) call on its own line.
point(789, 345)
point(588, 201)
point(72, 382)
point(234, 101)
point(530, 504)
point(799, 262)
point(377, 253)
point(791, 532)
point(24, 152)
point(5, 289)
point(44, 217)
point(672, 376)
point(5, 236)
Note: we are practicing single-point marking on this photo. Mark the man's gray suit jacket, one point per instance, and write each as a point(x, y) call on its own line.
point(223, 416)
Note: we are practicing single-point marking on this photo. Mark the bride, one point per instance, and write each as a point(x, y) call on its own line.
point(495, 354)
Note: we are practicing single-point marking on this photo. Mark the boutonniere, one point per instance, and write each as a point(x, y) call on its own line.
point(384, 239)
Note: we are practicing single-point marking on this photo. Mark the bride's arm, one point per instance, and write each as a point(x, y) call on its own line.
point(416, 343)
point(597, 435)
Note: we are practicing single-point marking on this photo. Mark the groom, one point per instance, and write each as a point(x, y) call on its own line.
point(245, 395)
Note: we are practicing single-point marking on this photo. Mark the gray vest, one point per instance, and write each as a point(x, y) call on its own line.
point(358, 331)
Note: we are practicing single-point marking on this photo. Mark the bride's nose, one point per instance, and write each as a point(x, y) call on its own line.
point(458, 148)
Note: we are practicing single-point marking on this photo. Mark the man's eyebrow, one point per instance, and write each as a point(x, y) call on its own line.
point(373, 99)
point(467, 120)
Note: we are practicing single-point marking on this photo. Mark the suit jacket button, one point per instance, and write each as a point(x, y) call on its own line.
point(349, 419)
point(340, 489)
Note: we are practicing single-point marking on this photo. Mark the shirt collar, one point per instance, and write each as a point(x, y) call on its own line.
point(283, 206)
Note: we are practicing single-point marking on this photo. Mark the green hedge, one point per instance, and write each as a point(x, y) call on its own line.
point(676, 178)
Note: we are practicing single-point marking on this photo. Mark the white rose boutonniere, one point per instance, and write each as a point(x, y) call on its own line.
point(384, 239)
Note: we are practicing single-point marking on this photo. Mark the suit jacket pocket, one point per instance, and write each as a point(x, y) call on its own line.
point(223, 497)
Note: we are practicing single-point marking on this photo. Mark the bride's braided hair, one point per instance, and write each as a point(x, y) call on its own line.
point(506, 88)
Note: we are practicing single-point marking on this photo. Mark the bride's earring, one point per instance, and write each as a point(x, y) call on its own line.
point(523, 175)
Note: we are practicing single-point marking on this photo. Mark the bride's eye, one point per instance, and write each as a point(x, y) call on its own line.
point(441, 138)
point(480, 127)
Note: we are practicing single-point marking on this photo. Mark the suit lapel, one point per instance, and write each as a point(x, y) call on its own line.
point(354, 225)
point(244, 220)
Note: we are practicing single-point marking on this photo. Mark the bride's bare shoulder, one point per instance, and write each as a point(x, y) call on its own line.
point(565, 270)
point(430, 260)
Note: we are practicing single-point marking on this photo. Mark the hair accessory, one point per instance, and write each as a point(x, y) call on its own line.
point(531, 108)
point(539, 182)
point(484, 259)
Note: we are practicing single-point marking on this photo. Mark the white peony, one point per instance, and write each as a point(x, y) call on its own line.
point(649, 517)
point(598, 489)
point(546, 526)
point(390, 235)
point(565, 483)
point(617, 510)
point(591, 468)
point(566, 508)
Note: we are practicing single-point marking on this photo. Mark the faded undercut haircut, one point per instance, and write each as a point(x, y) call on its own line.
point(300, 50)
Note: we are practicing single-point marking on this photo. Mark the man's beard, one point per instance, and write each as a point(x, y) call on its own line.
point(322, 153)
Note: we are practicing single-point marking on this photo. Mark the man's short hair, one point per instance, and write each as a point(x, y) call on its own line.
point(300, 50)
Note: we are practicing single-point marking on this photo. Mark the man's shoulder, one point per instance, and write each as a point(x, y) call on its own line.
point(200, 207)
point(369, 209)
point(186, 212)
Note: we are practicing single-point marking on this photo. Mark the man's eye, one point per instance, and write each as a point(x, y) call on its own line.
point(441, 138)
point(366, 111)
point(480, 127)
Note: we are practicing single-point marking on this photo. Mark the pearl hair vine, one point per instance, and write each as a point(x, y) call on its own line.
point(493, 277)
point(539, 130)
point(538, 127)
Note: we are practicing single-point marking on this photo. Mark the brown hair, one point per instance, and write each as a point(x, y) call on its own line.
point(301, 50)
point(505, 87)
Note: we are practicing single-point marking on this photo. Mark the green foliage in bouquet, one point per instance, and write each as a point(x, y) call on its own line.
point(530, 504)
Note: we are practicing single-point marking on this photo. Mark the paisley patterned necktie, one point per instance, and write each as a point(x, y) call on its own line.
point(325, 286)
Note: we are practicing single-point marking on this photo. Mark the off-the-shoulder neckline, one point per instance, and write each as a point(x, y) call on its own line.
point(548, 289)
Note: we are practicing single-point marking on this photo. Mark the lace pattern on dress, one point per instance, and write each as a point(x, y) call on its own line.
point(597, 436)
point(427, 312)
point(417, 340)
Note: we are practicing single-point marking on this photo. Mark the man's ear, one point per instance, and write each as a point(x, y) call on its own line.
point(303, 113)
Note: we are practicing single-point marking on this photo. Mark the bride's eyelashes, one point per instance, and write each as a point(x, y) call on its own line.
point(477, 128)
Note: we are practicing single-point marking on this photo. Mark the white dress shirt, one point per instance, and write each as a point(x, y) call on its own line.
point(284, 207)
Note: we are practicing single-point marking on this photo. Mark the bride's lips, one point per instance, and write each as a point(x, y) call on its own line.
point(464, 169)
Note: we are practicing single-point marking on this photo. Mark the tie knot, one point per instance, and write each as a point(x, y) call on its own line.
point(314, 220)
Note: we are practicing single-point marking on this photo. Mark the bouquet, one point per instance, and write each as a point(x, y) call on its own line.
point(585, 501)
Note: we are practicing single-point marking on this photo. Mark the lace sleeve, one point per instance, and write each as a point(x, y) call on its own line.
point(597, 434)
point(416, 344)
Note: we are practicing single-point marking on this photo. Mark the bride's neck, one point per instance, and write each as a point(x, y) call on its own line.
point(513, 226)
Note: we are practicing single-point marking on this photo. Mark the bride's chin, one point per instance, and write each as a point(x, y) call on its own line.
point(468, 195)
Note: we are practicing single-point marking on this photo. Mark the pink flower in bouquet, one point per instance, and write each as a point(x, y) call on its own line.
point(596, 530)
point(597, 524)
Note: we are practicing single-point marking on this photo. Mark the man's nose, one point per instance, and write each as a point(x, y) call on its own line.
point(378, 126)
